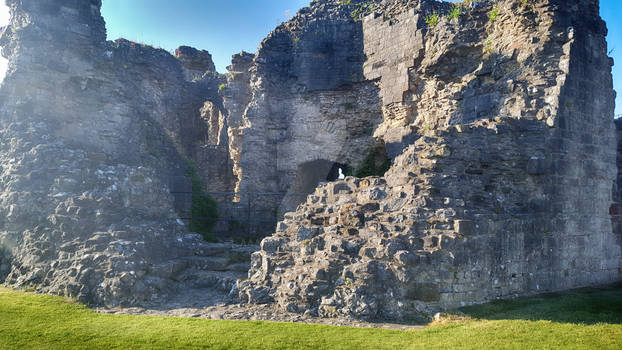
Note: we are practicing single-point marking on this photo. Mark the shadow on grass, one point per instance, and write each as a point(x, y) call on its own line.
point(579, 306)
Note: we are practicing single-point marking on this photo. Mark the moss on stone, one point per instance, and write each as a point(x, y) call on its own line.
point(204, 211)
point(375, 163)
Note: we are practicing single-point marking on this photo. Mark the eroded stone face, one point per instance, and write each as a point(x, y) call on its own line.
point(302, 99)
point(501, 133)
point(91, 132)
point(498, 187)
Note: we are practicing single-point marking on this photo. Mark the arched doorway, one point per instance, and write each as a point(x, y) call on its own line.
point(308, 177)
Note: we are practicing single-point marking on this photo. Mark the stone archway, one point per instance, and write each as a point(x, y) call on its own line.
point(308, 176)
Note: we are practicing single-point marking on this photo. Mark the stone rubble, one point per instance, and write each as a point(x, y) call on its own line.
point(500, 186)
point(246, 312)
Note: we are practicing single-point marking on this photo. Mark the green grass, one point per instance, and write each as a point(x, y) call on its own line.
point(588, 319)
point(582, 306)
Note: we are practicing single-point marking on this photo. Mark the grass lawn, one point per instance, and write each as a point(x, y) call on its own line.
point(583, 319)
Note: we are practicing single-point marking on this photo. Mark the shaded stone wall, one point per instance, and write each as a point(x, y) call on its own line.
point(91, 132)
point(181, 94)
point(616, 206)
point(502, 188)
point(306, 100)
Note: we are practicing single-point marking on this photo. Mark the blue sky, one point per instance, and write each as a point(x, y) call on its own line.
point(611, 11)
point(223, 27)
point(226, 27)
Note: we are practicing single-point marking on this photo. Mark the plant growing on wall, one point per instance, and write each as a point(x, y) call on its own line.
point(455, 12)
point(296, 40)
point(492, 16)
point(362, 10)
point(375, 163)
point(432, 19)
point(358, 10)
point(204, 211)
point(489, 44)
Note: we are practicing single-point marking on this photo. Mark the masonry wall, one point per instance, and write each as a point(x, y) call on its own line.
point(308, 101)
point(91, 134)
point(502, 181)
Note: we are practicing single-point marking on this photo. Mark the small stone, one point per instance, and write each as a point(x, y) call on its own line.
point(550, 121)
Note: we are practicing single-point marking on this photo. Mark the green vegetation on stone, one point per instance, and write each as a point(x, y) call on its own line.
point(492, 16)
point(584, 319)
point(455, 12)
point(432, 19)
point(221, 87)
point(204, 211)
point(370, 166)
point(359, 10)
point(296, 41)
point(489, 44)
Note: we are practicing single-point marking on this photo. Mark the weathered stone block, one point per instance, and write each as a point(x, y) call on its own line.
point(305, 233)
point(538, 166)
point(427, 292)
point(465, 227)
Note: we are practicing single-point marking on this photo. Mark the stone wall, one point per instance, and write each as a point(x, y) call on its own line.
point(392, 47)
point(91, 133)
point(196, 63)
point(616, 206)
point(502, 182)
point(303, 98)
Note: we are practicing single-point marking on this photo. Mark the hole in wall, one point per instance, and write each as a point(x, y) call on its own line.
point(308, 177)
point(310, 174)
